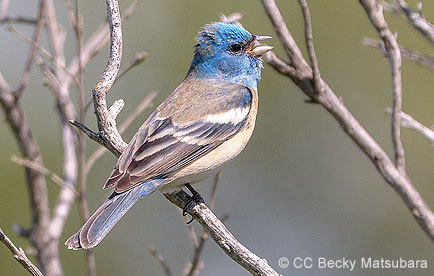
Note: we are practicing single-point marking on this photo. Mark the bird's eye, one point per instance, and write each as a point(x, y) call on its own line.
point(235, 48)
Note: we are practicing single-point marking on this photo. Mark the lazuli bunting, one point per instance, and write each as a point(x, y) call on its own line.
point(201, 126)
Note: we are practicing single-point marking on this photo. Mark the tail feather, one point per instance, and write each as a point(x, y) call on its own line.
point(111, 211)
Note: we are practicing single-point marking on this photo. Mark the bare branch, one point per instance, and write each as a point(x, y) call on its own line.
point(116, 108)
point(90, 133)
point(319, 86)
point(196, 264)
point(35, 179)
point(19, 255)
point(375, 14)
point(106, 123)
point(38, 167)
point(288, 42)
point(418, 57)
point(4, 85)
point(137, 60)
point(28, 66)
point(96, 42)
point(66, 111)
point(18, 19)
point(43, 52)
point(145, 103)
point(302, 77)
point(216, 181)
point(221, 235)
point(77, 25)
point(161, 260)
point(409, 122)
point(425, 27)
point(232, 18)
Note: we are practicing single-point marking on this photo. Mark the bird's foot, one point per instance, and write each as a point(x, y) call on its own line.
point(195, 199)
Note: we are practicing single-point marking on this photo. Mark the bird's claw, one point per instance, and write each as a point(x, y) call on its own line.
point(195, 199)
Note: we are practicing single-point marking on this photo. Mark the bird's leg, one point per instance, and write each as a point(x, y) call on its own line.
point(196, 198)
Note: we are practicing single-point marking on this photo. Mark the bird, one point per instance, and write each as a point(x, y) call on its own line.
point(201, 126)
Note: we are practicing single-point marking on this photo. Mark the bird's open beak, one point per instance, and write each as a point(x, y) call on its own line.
point(257, 49)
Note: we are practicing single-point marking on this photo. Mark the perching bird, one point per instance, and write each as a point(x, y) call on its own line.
point(201, 126)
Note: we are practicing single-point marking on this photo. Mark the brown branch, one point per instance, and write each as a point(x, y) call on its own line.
point(375, 15)
point(19, 255)
point(301, 74)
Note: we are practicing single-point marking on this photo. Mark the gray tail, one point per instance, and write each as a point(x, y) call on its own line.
point(111, 211)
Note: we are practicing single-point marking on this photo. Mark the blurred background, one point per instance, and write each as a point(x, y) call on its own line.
point(301, 188)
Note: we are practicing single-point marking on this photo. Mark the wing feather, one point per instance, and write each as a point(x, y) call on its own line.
point(166, 144)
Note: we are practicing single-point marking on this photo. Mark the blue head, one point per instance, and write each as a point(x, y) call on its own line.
point(230, 52)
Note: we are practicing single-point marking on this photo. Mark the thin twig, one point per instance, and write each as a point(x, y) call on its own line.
point(161, 260)
point(83, 207)
point(66, 111)
point(90, 133)
point(418, 57)
point(308, 35)
point(19, 255)
point(18, 19)
point(28, 66)
point(35, 180)
point(376, 16)
point(42, 51)
point(221, 235)
point(97, 41)
point(232, 18)
point(137, 60)
point(196, 264)
point(409, 122)
point(139, 57)
point(425, 27)
point(290, 46)
point(38, 167)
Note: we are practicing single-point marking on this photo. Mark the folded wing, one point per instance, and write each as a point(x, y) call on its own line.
point(165, 144)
